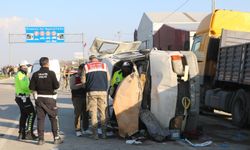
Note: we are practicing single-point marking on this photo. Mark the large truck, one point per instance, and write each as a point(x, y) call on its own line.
point(222, 50)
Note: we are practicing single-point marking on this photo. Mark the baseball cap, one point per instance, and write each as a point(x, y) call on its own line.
point(24, 63)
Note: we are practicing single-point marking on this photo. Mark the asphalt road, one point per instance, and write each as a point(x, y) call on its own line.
point(216, 128)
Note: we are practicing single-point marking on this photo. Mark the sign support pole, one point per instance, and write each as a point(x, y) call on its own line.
point(10, 52)
point(71, 38)
point(83, 45)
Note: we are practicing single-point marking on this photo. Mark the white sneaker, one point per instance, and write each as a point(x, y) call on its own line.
point(78, 133)
point(110, 133)
point(87, 132)
point(99, 131)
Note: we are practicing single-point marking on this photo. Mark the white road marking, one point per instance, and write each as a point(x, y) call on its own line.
point(4, 107)
point(9, 132)
point(185, 145)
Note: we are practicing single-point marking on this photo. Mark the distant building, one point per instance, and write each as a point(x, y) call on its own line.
point(168, 30)
point(169, 38)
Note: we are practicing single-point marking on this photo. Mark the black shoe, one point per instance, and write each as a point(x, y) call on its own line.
point(104, 134)
point(40, 142)
point(21, 136)
point(30, 136)
point(58, 140)
point(34, 136)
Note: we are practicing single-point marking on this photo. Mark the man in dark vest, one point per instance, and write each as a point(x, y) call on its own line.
point(96, 78)
point(78, 92)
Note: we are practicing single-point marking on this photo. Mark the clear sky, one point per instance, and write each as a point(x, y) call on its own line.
point(94, 18)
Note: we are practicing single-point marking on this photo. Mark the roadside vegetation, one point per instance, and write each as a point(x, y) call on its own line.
point(2, 76)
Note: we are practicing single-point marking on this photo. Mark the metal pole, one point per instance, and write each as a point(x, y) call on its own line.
point(213, 5)
point(83, 46)
point(119, 35)
point(10, 53)
point(12, 40)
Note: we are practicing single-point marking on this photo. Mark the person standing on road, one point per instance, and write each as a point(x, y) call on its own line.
point(79, 102)
point(26, 107)
point(44, 83)
point(96, 77)
point(66, 76)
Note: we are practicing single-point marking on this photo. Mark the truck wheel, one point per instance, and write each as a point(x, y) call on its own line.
point(239, 109)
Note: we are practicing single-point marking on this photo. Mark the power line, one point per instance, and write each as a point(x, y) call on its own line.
point(184, 3)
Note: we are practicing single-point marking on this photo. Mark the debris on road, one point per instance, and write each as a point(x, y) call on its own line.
point(133, 142)
point(154, 128)
point(204, 144)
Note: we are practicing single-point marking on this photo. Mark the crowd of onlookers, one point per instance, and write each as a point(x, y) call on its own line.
point(9, 71)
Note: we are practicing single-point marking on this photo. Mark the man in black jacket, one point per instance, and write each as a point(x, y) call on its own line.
point(44, 82)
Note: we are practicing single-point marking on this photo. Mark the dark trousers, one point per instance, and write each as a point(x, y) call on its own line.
point(28, 114)
point(80, 110)
point(46, 106)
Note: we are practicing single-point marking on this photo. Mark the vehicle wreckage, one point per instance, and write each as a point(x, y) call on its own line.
point(162, 91)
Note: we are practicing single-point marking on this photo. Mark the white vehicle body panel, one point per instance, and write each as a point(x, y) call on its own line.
point(108, 47)
point(164, 87)
point(54, 65)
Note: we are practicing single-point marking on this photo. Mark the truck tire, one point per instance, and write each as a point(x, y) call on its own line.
point(239, 109)
point(155, 130)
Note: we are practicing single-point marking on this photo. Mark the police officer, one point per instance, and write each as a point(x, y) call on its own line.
point(96, 77)
point(44, 82)
point(25, 105)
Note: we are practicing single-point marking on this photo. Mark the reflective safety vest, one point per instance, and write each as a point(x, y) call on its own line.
point(117, 78)
point(22, 83)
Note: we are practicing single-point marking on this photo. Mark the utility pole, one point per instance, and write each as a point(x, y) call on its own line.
point(83, 46)
point(119, 35)
point(10, 52)
point(213, 5)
